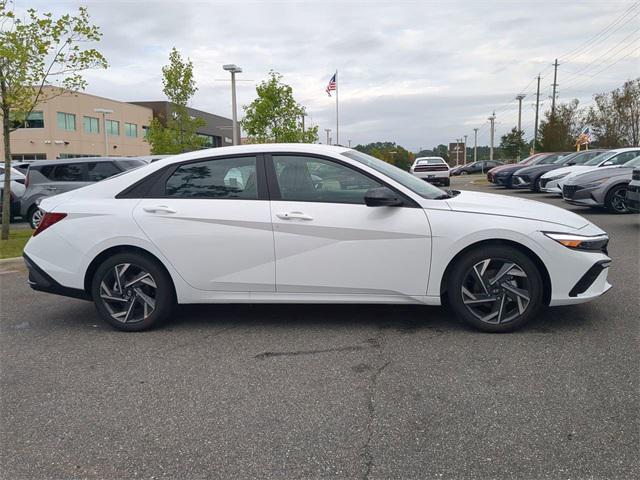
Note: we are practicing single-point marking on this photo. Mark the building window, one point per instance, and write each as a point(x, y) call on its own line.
point(91, 125)
point(66, 121)
point(113, 127)
point(210, 141)
point(131, 130)
point(21, 157)
point(33, 120)
point(77, 155)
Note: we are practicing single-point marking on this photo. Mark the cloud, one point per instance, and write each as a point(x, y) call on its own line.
point(418, 73)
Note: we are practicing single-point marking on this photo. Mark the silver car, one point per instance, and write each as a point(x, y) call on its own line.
point(46, 178)
point(603, 187)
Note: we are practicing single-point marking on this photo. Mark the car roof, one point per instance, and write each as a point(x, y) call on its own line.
point(622, 150)
point(59, 161)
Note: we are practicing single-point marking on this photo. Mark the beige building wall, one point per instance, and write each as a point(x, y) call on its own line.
point(55, 142)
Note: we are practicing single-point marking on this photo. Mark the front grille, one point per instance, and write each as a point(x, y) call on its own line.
point(568, 191)
point(636, 174)
point(430, 168)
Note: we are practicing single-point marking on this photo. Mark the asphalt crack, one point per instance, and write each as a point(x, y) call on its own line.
point(371, 409)
point(354, 348)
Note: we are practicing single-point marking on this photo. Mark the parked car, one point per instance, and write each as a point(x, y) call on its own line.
point(529, 177)
point(432, 169)
point(16, 175)
point(633, 192)
point(475, 167)
point(551, 182)
point(602, 187)
point(16, 193)
point(52, 177)
point(504, 177)
point(178, 231)
point(525, 161)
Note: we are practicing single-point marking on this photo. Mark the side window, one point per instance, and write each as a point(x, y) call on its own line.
point(72, 172)
point(217, 178)
point(100, 170)
point(623, 158)
point(309, 179)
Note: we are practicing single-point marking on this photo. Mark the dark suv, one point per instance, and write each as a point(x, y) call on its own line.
point(46, 178)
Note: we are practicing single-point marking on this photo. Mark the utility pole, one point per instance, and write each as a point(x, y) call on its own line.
point(349, 143)
point(475, 145)
point(555, 84)
point(535, 128)
point(492, 119)
point(465, 149)
point(458, 151)
point(328, 130)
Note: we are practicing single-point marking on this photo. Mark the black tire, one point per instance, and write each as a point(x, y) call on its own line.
point(137, 296)
point(464, 172)
point(34, 216)
point(614, 200)
point(479, 314)
point(447, 182)
point(536, 185)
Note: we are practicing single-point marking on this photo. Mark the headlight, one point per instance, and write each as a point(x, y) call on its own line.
point(557, 177)
point(597, 243)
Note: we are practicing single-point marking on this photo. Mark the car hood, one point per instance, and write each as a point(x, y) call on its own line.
point(537, 169)
point(492, 204)
point(580, 178)
point(568, 170)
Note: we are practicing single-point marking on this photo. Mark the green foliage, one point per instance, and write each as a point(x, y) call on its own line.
point(441, 151)
point(274, 116)
point(178, 132)
point(560, 131)
point(615, 117)
point(36, 52)
point(513, 145)
point(389, 152)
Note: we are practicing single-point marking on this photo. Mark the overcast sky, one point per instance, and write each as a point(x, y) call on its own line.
point(417, 73)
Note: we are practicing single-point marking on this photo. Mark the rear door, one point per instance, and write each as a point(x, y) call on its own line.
point(211, 219)
point(328, 241)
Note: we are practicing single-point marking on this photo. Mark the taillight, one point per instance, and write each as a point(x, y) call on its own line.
point(49, 218)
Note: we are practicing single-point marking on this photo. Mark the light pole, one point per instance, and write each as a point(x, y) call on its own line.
point(465, 149)
point(519, 98)
point(475, 145)
point(104, 112)
point(328, 130)
point(234, 69)
point(492, 119)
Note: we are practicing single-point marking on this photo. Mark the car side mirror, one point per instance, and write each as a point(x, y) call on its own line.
point(607, 163)
point(571, 163)
point(382, 197)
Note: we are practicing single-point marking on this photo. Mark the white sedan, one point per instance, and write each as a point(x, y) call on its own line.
point(308, 224)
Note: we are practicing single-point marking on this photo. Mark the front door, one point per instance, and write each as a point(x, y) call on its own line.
point(211, 220)
point(328, 241)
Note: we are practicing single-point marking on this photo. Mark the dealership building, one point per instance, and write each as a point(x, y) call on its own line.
point(74, 124)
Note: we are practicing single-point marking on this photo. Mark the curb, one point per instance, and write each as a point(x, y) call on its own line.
point(5, 261)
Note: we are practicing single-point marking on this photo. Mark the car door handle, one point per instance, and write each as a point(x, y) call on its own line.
point(51, 189)
point(294, 215)
point(159, 208)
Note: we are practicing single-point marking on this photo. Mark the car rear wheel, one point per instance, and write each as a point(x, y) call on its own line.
point(35, 217)
point(464, 172)
point(616, 199)
point(132, 292)
point(495, 289)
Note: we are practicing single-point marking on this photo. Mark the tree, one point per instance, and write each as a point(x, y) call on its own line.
point(441, 151)
point(389, 152)
point(559, 131)
point(176, 133)
point(615, 117)
point(513, 145)
point(275, 116)
point(34, 53)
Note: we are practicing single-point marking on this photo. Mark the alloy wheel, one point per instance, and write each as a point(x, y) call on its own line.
point(496, 291)
point(129, 293)
point(36, 218)
point(619, 200)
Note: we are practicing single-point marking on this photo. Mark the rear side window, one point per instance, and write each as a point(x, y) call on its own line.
point(72, 172)
point(100, 170)
point(223, 178)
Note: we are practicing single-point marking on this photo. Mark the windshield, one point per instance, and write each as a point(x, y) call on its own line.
point(597, 160)
point(566, 158)
point(549, 159)
point(422, 188)
point(581, 158)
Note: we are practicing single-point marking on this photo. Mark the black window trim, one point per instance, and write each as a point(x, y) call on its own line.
point(153, 185)
point(274, 189)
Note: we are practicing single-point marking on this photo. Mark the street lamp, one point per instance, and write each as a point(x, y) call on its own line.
point(234, 69)
point(104, 112)
point(328, 130)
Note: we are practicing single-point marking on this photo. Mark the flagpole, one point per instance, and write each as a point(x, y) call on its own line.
point(337, 130)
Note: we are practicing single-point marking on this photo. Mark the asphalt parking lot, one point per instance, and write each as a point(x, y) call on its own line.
point(360, 392)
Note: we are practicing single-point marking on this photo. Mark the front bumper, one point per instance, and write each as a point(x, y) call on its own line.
point(521, 181)
point(551, 185)
point(577, 195)
point(633, 198)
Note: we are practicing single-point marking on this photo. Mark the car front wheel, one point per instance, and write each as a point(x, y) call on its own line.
point(132, 292)
point(495, 289)
point(616, 200)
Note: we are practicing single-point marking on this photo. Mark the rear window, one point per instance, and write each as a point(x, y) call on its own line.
point(100, 170)
point(129, 164)
point(72, 172)
point(429, 161)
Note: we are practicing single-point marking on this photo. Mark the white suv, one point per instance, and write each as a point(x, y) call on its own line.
point(432, 169)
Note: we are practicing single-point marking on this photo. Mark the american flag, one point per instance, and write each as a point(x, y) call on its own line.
point(585, 136)
point(332, 85)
